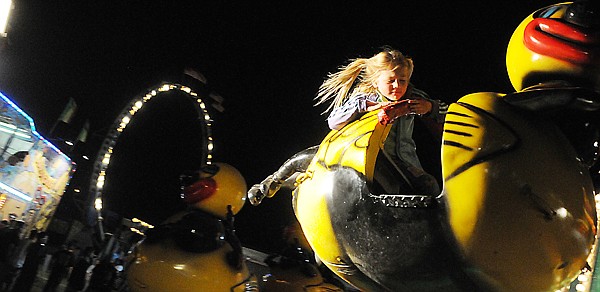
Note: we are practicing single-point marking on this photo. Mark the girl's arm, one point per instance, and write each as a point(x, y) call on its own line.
point(351, 110)
point(438, 108)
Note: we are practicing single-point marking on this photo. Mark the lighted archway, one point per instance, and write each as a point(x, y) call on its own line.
point(102, 163)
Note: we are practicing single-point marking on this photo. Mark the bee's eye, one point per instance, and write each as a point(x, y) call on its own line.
point(547, 12)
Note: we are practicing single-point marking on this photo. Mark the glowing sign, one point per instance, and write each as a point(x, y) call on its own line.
point(32, 170)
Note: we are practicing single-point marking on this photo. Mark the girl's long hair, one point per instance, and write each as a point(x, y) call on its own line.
point(359, 75)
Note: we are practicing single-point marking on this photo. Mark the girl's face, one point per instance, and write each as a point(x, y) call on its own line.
point(392, 84)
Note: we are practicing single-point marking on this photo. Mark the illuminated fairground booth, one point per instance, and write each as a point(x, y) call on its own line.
point(33, 172)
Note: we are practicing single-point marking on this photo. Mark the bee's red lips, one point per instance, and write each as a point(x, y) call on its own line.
point(554, 38)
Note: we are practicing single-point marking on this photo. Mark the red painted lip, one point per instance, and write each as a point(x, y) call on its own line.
point(554, 38)
point(200, 190)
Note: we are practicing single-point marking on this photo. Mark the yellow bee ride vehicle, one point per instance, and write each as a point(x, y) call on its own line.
point(517, 211)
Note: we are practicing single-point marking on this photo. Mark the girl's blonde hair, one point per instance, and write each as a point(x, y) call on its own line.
point(359, 75)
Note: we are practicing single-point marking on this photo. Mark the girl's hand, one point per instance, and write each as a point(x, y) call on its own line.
point(392, 111)
point(419, 106)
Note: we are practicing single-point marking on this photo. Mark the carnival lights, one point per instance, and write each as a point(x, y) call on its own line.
point(123, 120)
point(5, 9)
point(32, 126)
point(98, 204)
point(30, 133)
point(16, 192)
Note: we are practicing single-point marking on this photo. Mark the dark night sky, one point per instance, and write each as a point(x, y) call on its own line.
point(266, 59)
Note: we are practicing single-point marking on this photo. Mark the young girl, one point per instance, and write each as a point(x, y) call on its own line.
point(382, 83)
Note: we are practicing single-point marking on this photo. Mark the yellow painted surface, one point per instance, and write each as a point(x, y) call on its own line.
point(517, 197)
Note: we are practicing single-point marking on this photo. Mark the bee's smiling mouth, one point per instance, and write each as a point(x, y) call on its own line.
point(555, 38)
